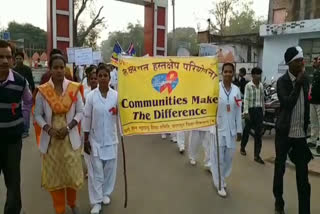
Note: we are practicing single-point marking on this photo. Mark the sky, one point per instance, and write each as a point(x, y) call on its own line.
point(189, 13)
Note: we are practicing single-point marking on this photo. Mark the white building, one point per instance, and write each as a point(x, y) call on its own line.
point(279, 37)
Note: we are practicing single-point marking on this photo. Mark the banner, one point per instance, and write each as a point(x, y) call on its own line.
point(167, 94)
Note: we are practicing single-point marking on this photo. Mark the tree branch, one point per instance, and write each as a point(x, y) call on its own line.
point(96, 21)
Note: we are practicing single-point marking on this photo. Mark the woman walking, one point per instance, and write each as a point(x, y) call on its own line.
point(229, 129)
point(100, 140)
point(58, 110)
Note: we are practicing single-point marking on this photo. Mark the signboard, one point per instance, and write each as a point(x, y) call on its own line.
point(83, 56)
point(6, 36)
point(167, 94)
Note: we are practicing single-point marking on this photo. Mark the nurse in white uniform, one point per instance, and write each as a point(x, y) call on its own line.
point(101, 141)
point(198, 137)
point(229, 129)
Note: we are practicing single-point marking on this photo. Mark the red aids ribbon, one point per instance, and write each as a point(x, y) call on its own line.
point(238, 101)
point(309, 95)
point(171, 77)
point(113, 110)
point(13, 108)
point(73, 97)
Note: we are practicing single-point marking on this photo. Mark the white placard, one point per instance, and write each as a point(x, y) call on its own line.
point(83, 56)
point(96, 56)
point(70, 54)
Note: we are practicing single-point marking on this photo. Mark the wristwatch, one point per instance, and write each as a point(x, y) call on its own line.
point(68, 128)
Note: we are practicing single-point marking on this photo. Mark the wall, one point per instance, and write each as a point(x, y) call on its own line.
point(296, 9)
point(275, 47)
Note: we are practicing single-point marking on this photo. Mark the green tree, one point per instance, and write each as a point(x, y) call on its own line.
point(230, 20)
point(186, 37)
point(221, 12)
point(134, 33)
point(244, 21)
point(31, 34)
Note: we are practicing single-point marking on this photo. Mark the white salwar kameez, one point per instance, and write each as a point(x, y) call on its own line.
point(229, 124)
point(102, 128)
point(198, 137)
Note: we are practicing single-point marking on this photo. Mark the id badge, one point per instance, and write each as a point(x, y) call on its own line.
point(228, 108)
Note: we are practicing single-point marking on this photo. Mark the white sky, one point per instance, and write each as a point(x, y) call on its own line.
point(118, 14)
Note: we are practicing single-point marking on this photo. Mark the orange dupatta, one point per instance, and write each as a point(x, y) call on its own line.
point(58, 104)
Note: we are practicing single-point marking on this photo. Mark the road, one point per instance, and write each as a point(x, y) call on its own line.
point(161, 181)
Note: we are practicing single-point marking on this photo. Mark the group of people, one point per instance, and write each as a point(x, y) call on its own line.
point(295, 96)
point(70, 117)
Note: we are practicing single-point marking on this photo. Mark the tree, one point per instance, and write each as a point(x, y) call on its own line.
point(186, 37)
point(244, 21)
point(81, 32)
point(134, 33)
point(31, 34)
point(230, 20)
point(221, 12)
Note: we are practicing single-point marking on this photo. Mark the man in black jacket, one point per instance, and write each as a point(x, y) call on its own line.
point(26, 72)
point(291, 129)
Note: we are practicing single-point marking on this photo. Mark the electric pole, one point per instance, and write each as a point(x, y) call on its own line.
point(174, 28)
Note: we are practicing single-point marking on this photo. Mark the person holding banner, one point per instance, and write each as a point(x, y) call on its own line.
point(229, 129)
point(58, 111)
point(101, 140)
point(199, 136)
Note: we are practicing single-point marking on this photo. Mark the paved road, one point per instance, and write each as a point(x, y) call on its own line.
point(161, 181)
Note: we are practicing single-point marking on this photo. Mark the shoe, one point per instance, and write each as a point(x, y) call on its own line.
point(193, 162)
point(25, 135)
point(75, 210)
point(279, 211)
point(243, 152)
point(207, 166)
point(96, 209)
point(106, 200)
point(181, 150)
point(222, 192)
point(312, 145)
point(258, 160)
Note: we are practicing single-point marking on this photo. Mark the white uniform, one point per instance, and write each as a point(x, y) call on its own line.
point(200, 136)
point(114, 79)
point(102, 128)
point(229, 124)
point(181, 140)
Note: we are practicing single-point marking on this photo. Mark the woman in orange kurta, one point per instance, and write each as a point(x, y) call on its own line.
point(58, 111)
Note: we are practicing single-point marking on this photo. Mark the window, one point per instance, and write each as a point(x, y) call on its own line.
point(311, 49)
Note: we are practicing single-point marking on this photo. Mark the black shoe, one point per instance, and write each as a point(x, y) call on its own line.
point(312, 145)
point(258, 160)
point(243, 152)
point(279, 211)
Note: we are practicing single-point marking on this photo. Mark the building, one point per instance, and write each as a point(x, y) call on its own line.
point(290, 25)
point(244, 50)
point(281, 11)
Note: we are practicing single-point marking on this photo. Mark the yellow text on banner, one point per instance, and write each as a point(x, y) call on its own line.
point(167, 94)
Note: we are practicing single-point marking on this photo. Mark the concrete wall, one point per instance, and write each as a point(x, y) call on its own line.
point(275, 47)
